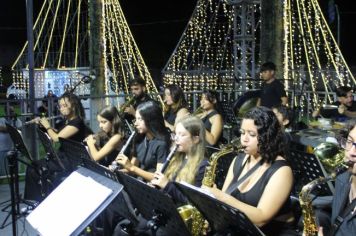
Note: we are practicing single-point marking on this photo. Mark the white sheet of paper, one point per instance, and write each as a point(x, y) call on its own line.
point(68, 205)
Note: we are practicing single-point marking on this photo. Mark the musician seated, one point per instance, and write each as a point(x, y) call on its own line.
point(176, 107)
point(346, 107)
point(139, 92)
point(343, 217)
point(150, 146)
point(104, 146)
point(188, 164)
point(211, 117)
point(259, 182)
point(148, 152)
point(75, 129)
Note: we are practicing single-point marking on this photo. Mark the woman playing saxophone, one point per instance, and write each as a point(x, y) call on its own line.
point(259, 181)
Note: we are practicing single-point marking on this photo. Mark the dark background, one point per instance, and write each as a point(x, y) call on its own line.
point(157, 26)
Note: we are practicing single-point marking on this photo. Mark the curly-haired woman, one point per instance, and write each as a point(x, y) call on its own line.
point(259, 181)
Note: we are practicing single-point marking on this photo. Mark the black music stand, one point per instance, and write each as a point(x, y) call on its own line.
point(155, 206)
point(13, 159)
point(230, 119)
point(306, 168)
point(75, 151)
point(47, 145)
point(36, 219)
point(224, 219)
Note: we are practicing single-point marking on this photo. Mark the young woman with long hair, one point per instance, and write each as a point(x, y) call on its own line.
point(211, 117)
point(150, 146)
point(188, 164)
point(104, 146)
point(176, 106)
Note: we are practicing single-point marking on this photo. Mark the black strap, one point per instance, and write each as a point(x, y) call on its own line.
point(341, 217)
point(234, 184)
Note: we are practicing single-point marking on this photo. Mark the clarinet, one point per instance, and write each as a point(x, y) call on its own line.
point(114, 165)
point(168, 159)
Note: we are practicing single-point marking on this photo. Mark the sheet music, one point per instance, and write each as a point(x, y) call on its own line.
point(68, 205)
point(206, 192)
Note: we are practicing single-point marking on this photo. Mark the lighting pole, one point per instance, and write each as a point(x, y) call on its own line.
point(29, 20)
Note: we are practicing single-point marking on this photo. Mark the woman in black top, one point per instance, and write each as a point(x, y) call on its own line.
point(176, 106)
point(72, 110)
point(105, 145)
point(149, 151)
point(188, 164)
point(263, 195)
point(211, 117)
point(38, 187)
point(151, 145)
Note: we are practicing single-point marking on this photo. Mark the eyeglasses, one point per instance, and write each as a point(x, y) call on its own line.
point(347, 144)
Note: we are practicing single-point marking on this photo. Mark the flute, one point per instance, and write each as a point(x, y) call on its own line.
point(37, 119)
point(114, 165)
point(168, 159)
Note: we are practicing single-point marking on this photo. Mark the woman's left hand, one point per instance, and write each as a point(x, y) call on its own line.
point(45, 123)
point(159, 180)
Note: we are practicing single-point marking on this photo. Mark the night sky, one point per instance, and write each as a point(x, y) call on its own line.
point(156, 25)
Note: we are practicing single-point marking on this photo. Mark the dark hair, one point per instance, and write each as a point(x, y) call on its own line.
point(286, 113)
point(211, 96)
point(76, 104)
point(137, 81)
point(344, 133)
point(270, 135)
point(342, 91)
point(178, 97)
point(151, 114)
point(111, 114)
point(268, 66)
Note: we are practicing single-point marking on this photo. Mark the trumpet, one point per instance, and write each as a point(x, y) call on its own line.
point(37, 119)
point(126, 104)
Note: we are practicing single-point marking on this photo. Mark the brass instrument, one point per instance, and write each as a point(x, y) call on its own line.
point(37, 119)
point(128, 103)
point(198, 111)
point(310, 227)
point(330, 155)
point(191, 216)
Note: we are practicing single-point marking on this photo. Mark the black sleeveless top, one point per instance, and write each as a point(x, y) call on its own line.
point(170, 117)
point(206, 121)
point(253, 196)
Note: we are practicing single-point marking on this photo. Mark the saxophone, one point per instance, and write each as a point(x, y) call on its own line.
point(191, 216)
point(310, 227)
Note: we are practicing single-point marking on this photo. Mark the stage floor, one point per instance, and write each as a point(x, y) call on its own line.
point(23, 228)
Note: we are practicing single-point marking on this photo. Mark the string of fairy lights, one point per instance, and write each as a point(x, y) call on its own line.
point(204, 57)
point(61, 33)
point(311, 52)
point(122, 56)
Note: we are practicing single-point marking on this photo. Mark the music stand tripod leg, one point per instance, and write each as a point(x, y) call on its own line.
point(13, 172)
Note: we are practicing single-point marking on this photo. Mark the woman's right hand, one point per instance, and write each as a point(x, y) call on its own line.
point(124, 161)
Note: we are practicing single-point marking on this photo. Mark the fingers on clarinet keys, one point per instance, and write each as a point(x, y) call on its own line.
point(115, 166)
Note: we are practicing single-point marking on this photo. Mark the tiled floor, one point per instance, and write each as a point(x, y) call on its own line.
point(23, 228)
